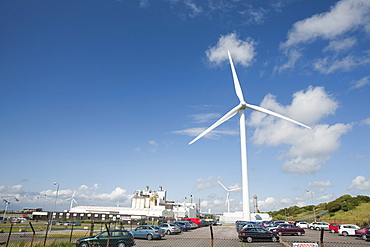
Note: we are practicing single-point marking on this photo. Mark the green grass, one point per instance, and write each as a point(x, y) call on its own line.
point(41, 244)
point(359, 216)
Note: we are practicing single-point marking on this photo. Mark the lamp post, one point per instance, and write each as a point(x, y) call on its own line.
point(6, 207)
point(54, 206)
point(314, 212)
point(7, 202)
point(51, 216)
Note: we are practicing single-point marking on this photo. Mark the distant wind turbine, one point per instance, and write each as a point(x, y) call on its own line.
point(72, 199)
point(228, 195)
point(243, 141)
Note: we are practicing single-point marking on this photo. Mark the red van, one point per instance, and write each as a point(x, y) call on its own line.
point(194, 220)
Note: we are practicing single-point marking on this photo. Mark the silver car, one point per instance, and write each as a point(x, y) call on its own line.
point(170, 228)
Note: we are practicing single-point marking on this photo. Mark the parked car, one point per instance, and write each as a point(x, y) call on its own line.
point(334, 227)
point(257, 234)
point(368, 237)
point(239, 225)
point(170, 228)
point(185, 225)
point(321, 225)
point(302, 224)
point(312, 225)
point(72, 223)
point(149, 232)
point(273, 226)
point(348, 230)
point(193, 225)
point(119, 238)
point(204, 223)
point(250, 225)
point(287, 229)
point(362, 232)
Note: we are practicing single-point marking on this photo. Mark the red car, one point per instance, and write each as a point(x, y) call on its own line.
point(362, 232)
point(286, 229)
point(334, 227)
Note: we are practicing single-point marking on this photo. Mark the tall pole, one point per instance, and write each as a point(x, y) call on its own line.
point(243, 150)
point(7, 202)
point(6, 207)
point(54, 206)
point(313, 205)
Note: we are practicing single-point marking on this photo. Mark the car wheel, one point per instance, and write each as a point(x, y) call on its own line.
point(249, 239)
point(332, 231)
point(364, 237)
point(280, 233)
point(149, 237)
point(168, 232)
point(121, 245)
point(317, 228)
point(299, 233)
point(273, 239)
point(84, 244)
point(345, 234)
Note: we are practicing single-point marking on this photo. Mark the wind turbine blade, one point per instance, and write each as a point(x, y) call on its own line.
point(238, 89)
point(222, 185)
point(74, 194)
point(226, 117)
point(260, 109)
point(235, 189)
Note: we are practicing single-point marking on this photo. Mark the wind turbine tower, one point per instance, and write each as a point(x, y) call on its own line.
point(240, 108)
point(228, 195)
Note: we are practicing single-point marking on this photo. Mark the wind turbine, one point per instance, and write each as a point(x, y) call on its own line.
point(228, 195)
point(243, 141)
point(72, 200)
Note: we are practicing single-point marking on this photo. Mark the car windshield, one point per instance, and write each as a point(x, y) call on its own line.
point(103, 234)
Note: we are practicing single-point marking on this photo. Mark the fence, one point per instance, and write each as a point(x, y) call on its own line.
point(39, 235)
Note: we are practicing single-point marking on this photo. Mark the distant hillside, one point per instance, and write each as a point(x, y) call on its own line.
point(345, 209)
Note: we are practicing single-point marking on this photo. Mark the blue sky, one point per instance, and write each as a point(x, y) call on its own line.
point(103, 98)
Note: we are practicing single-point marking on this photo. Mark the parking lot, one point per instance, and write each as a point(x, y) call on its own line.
point(227, 236)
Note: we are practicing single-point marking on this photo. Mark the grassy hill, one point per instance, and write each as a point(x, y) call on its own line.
point(345, 209)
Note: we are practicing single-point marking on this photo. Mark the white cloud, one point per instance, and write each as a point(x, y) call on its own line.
point(309, 149)
point(144, 3)
point(293, 56)
point(364, 81)
point(205, 117)
point(153, 143)
point(328, 64)
point(360, 183)
point(242, 51)
point(320, 184)
point(325, 197)
point(345, 16)
point(214, 134)
point(337, 26)
point(340, 45)
point(365, 121)
point(268, 204)
point(253, 15)
point(194, 9)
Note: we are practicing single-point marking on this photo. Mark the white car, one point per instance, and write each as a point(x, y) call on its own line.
point(302, 224)
point(322, 225)
point(348, 230)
